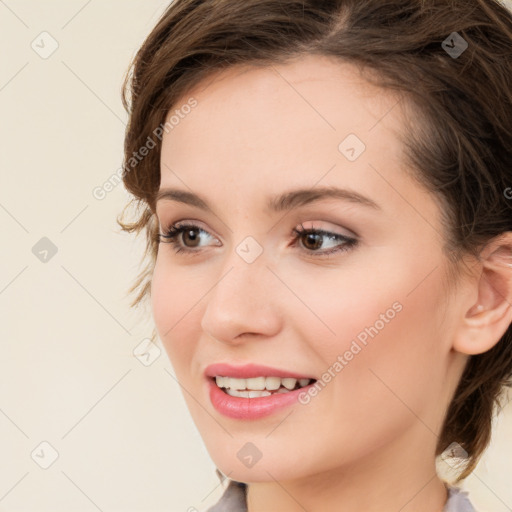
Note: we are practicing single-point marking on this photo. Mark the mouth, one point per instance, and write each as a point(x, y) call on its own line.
point(257, 387)
point(252, 391)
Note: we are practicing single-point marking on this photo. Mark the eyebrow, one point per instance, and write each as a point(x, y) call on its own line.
point(282, 202)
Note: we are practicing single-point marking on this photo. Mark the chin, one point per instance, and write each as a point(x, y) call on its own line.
point(248, 462)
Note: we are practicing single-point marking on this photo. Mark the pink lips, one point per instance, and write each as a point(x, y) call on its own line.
point(249, 370)
point(250, 408)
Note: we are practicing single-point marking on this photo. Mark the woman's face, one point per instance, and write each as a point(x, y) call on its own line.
point(367, 318)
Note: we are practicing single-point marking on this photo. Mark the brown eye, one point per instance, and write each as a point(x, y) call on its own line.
point(193, 235)
point(312, 241)
point(186, 238)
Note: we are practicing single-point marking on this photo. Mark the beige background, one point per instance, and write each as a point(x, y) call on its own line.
point(68, 374)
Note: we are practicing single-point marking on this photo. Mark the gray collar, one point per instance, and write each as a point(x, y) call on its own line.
point(234, 499)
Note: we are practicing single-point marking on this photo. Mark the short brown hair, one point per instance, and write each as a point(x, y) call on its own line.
point(464, 103)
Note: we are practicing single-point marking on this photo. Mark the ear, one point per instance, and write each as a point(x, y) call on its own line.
point(486, 320)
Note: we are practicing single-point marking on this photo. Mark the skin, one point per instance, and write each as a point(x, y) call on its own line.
point(368, 439)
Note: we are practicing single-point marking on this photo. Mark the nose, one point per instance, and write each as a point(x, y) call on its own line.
point(244, 302)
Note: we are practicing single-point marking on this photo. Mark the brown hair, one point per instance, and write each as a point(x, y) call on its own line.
point(463, 103)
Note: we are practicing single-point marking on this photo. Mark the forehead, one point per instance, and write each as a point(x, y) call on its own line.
point(309, 97)
point(270, 128)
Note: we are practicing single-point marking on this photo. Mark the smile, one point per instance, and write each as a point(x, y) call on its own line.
point(254, 396)
point(257, 387)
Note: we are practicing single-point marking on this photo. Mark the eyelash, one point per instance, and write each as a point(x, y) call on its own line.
point(173, 232)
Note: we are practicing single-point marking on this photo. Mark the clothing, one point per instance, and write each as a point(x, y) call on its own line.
point(234, 499)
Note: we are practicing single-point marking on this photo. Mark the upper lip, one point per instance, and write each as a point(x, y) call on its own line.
point(250, 370)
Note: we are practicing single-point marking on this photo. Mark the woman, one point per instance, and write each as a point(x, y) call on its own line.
point(324, 194)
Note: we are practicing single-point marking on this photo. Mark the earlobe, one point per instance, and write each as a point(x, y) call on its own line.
point(487, 319)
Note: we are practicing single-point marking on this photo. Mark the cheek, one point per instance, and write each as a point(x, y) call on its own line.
point(377, 291)
point(164, 295)
point(386, 382)
point(172, 302)
point(378, 334)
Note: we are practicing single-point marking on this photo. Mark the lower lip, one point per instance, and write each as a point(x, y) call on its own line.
point(251, 408)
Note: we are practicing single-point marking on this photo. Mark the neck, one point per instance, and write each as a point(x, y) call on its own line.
point(394, 479)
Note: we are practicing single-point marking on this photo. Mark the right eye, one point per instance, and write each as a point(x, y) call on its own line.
point(183, 232)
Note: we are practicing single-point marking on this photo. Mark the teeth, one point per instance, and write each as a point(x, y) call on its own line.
point(247, 394)
point(289, 383)
point(273, 383)
point(259, 385)
point(256, 394)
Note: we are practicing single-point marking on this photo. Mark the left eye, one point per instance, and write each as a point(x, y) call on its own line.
point(313, 236)
point(313, 239)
